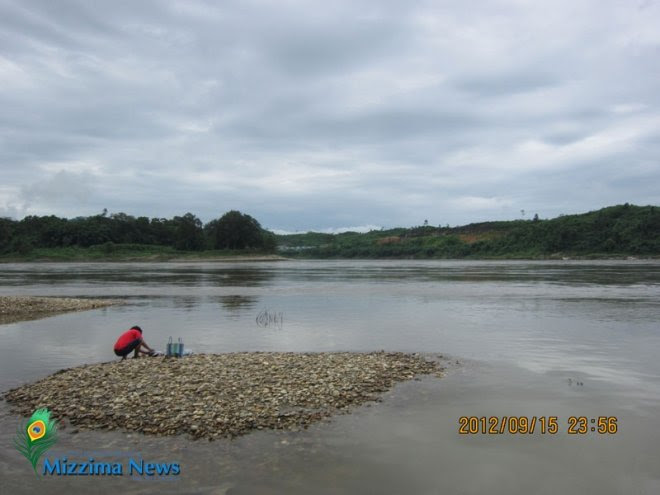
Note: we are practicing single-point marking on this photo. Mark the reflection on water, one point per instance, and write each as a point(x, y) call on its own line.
point(235, 306)
point(525, 327)
point(77, 276)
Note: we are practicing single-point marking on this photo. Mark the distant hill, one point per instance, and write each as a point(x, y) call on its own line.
point(622, 230)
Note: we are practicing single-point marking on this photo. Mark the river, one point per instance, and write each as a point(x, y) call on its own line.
point(519, 338)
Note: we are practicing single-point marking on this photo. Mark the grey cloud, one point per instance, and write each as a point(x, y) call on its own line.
point(489, 85)
point(61, 189)
point(327, 114)
point(382, 126)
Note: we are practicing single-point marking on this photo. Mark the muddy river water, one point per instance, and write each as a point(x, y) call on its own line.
point(519, 338)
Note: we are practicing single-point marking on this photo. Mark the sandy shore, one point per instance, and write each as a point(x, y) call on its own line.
point(217, 395)
point(19, 308)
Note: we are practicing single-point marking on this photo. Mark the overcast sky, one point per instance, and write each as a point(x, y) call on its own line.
point(329, 114)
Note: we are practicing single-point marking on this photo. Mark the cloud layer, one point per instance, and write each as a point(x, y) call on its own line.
point(329, 114)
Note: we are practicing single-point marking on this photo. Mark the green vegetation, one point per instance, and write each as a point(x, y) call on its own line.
point(131, 252)
point(119, 236)
point(235, 230)
point(624, 230)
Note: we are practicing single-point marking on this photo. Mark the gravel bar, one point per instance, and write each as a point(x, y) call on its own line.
point(18, 308)
point(217, 395)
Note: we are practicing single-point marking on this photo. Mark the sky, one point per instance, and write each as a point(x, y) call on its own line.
point(328, 116)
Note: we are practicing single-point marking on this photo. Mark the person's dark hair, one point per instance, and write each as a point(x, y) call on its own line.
point(135, 327)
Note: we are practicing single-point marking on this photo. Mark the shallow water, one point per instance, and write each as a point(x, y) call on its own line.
point(525, 334)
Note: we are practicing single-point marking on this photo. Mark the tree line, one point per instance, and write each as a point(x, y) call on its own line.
point(616, 230)
point(233, 230)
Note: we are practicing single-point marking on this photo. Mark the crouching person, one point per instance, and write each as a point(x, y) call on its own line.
point(132, 341)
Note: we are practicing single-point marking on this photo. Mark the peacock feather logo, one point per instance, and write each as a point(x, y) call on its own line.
point(37, 437)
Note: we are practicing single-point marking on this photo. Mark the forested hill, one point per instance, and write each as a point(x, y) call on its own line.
point(623, 230)
point(119, 236)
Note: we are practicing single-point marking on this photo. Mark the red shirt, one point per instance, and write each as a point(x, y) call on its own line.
point(127, 337)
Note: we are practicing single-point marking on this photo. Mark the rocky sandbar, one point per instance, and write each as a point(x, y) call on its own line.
point(18, 308)
point(217, 395)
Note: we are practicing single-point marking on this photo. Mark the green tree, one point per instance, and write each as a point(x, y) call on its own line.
point(188, 235)
point(163, 231)
point(236, 230)
point(6, 227)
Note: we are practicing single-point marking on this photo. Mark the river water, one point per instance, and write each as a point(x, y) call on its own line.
point(519, 338)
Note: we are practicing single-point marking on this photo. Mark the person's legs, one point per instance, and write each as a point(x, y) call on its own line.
point(135, 345)
point(121, 353)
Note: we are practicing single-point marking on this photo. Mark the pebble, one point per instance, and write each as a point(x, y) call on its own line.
point(18, 308)
point(217, 395)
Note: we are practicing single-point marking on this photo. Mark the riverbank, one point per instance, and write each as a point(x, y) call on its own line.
point(20, 308)
point(510, 257)
point(217, 395)
point(132, 253)
point(292, 256)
